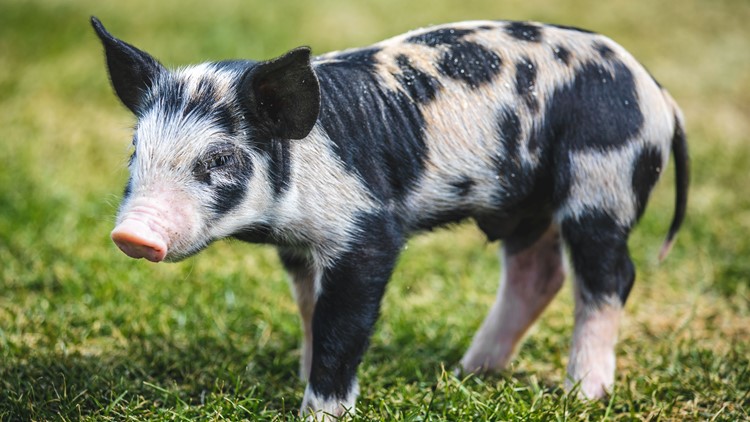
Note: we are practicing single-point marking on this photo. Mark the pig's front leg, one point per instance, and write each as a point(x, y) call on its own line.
point(346, 309)
point(305, 278)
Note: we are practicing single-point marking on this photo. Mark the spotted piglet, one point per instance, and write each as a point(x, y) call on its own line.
point(546, 136)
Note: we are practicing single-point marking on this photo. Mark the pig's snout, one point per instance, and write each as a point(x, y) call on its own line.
point(138, 240)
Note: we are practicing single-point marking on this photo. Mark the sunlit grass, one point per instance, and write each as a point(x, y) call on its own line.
point(86, 333)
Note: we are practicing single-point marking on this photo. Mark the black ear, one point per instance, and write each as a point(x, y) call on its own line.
point(281, 97)
point(131, 70)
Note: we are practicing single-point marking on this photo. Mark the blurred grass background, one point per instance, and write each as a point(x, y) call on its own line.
point(86, 333)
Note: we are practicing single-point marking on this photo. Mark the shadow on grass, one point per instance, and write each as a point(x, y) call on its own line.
point(154, 376)
point(149, 377)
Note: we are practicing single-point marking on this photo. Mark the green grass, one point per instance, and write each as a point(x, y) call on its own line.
point(86, 333)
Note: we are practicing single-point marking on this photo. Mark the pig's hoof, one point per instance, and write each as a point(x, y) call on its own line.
point(591, 387)
point(483, 362)
point(316, 408)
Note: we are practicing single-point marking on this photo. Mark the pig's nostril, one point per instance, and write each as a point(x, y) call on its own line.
point(137, 240)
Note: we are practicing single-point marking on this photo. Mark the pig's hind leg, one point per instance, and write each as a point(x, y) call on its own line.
point(531, 276)
point(604, 275)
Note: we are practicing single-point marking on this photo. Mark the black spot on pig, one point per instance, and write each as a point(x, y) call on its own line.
point(229, 195)
point(280, 166)
point(377, 133)
point(438, 37)
point(462, 187)
point(524, 31)
point(509, 134)
point(226, 119)
point(201, 101)
point(597, 109)
point(128, 189)
point(599, 254)
point(470, 63)
point(525, 83)
point(228, 183)
point(516, 179)
point(646, 171)
point(420, 86)
point(562, 54)
point(259, 233)
point(604, 51)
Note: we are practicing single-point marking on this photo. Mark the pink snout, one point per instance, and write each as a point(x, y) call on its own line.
point(137, 240)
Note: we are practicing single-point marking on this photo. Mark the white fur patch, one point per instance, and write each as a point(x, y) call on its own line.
point(601, 180)
point(323, 199)
point(592, 355)
point(320, 409)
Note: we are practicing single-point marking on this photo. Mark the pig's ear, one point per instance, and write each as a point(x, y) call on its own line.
point(131, 70)
point(281, 97)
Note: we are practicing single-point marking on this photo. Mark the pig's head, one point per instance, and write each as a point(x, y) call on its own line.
point(200, 165)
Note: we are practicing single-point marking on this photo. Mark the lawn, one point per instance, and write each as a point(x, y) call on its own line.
point(86, 333)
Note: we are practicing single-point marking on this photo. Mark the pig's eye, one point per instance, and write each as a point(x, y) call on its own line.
point(218, 161)
point(213, 162)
